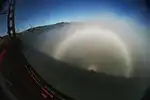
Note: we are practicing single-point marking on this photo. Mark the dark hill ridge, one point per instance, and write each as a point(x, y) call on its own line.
point(42, 29)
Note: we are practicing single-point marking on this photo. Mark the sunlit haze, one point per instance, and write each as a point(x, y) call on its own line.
point(112, 44)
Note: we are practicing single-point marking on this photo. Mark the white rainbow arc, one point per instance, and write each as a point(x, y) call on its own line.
point(98, 32)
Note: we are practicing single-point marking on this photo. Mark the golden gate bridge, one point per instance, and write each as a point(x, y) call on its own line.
point(21, 79)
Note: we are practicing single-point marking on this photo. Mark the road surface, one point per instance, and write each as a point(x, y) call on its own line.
point(15, 76)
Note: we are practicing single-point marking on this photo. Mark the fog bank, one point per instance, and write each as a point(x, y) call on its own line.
point(115, 46)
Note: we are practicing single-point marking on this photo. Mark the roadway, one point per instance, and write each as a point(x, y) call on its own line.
point(15, 76)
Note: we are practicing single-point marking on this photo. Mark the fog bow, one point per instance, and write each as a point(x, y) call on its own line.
point(111, 44)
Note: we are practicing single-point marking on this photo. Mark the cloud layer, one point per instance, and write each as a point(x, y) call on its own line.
point(85, 44)
point(114, 45)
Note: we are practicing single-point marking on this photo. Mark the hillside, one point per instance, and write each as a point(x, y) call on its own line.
point(42, 29)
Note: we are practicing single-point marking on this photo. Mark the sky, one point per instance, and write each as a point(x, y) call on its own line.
point(31, 13)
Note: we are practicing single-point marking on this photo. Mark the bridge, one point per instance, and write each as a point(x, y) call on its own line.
point(18, 78)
